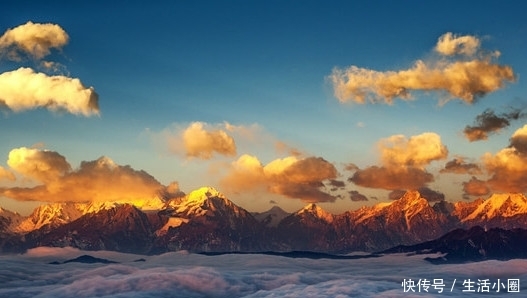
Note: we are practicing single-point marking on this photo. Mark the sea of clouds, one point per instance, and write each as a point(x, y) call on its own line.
point(181, 274)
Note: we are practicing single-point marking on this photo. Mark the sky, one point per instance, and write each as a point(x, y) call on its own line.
point(338, 103)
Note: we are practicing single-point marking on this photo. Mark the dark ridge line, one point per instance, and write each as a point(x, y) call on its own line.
point(85, 259)
point(295, 255)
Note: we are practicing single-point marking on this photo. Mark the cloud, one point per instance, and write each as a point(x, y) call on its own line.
point(201, 140)
point(403, 162)
point(391, 178)
point(351, 167)
point(429, 194)
point(171, 191)
point(97, 180)
point(357, 196)
point(6, 174)
point(32, 39)
point(508, 167)
point(42, 165)
point(337, 183)
point(475, 187)
point(467, 79)
point(417, 151)
point(24, 89)
point(488, 123)
point(449, 44)
point(518, 140)
point(293, 177)
point(459, 166)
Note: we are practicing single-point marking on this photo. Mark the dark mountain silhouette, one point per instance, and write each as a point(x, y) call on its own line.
point(475, 244)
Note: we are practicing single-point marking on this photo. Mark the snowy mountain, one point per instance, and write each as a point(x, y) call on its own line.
point(51, 215)
point(499, 205)
point(206, 221)
point(310, 227)
point(407, 220)
point(271, 217)
point(9, 220)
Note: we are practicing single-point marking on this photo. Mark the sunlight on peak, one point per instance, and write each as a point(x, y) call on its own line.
point(203, 193)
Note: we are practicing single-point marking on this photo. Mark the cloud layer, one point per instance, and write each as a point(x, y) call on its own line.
point(97, 180)
point(33, 40)
point(468, 77)
point(252, 275)
point(293, 177)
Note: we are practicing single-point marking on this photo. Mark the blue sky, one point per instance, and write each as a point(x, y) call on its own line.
point(265, 66)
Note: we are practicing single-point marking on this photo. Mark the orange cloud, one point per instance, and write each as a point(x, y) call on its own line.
point(508, 166)
point(201, 140)
point(42, 165)
point(391, 178)
point(97, 180)
point(460, 78)
point(24, 89)
point(488, 123)
point(403, 162)
point(475, 187)
point(6, 174)
point(32, 39)
point(293, 177)
point(449, 44)
point(417, 151)
point(459, 166)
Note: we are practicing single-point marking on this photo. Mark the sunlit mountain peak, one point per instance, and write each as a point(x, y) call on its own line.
point(203, 193)
point(316, 211)
point(504, 205)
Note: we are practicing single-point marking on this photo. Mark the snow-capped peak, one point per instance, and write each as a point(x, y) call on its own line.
point(51, 214)
point(13, 219)
point(504, 205)
point(203, 193)
point(316, 211)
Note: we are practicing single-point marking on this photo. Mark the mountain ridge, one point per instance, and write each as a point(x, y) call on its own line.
point(206, 220)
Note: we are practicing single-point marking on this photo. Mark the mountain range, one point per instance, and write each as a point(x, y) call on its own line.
point(206, 221)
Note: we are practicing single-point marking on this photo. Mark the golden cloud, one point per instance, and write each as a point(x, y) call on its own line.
point(33, 39)
point(24, 89)
point(42, 165)
point(6, 174)
point(463, 79)
point(450, 44)
point(459, 166)
point(293, 177)
point(508, 166)
point(475, 187)
point(403, 162)
point(201, 140)
point(97, 180)
point(416, 151)
point(391, 178)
